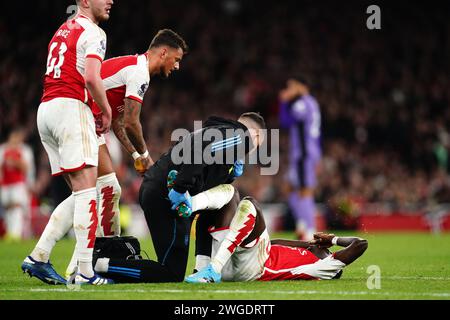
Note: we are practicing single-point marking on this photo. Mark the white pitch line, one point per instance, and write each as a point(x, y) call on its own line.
point(402, 278)
point(297, 292)
point(416, 278)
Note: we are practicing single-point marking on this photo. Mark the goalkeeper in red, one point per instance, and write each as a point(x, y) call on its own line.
point(243, 251)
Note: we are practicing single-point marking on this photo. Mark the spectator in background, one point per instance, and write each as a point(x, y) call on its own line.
point(300, 113)
point(17, 174)
point(383, 95)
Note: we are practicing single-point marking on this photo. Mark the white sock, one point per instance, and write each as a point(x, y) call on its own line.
point(214, 198)
point(57, 227)
point(102, 265)
point(201, 261)
point(240, 228)
point(85, 221)
point(109, 192)
point(14, 222)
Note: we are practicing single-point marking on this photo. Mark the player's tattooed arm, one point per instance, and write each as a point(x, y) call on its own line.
point(132, 124)
point(119, 130)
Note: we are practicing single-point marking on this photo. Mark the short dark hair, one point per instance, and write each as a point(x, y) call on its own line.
point(256, 117)
point(169, 38)
point(302, 79)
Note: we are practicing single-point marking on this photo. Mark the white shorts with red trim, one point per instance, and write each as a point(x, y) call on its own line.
point(247, 263)
point(289, 263)
point(67, 130)
point(14, 194)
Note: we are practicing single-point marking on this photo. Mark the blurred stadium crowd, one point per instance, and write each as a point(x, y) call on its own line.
point(384, 94)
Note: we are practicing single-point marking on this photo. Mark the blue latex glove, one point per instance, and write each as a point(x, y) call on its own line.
point(238, 168)
point(177, 198)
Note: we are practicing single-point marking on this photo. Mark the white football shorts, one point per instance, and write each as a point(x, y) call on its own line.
point(14, 194)
point(67, 130)
point(247, 263)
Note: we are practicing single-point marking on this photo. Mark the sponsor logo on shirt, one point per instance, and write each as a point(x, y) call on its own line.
point(102, 48)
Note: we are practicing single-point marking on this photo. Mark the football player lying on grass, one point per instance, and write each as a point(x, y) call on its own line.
point(243, 251)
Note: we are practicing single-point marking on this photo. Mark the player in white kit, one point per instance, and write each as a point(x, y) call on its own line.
point(69, 134)
point(126, 79)
point(16, 178)
point(243, 251)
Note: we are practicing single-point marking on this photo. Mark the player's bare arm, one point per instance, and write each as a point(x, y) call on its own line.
point(133, 127)
point(119, 130)
point(94, 84)
point(291, 243)
point(354, 246)
point(118, 127)
point(132, 124)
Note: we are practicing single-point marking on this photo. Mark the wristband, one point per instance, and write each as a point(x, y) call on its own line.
point(334, 240)
point(135, 155)
point(145, 154)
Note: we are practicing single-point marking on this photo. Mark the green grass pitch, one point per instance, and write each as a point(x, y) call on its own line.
point(412, 266)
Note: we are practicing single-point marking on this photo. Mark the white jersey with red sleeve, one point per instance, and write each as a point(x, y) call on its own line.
point(124, 77)
point(11, 174)
point(293, 263)
point(76, 40)
point(14, 182)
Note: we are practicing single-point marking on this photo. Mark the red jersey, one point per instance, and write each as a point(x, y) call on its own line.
point(285, 263)
point(76, 40)
point(10, 174)
point(124, 77)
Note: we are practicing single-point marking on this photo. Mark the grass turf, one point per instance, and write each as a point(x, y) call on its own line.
point(412, 265)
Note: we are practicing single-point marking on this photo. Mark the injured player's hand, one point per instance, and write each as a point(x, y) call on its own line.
point(323, 240)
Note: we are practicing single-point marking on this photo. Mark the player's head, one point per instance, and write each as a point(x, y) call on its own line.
point(256, 127)
point(17, 135)
point(97, 9)
point(166, 51)
point(299, 83)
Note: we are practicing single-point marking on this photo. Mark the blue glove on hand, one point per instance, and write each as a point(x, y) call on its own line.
point(238, 168)
point(177, 199)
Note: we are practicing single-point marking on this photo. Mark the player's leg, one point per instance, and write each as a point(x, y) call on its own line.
point(206, 204)
point(244, 227)
point(170, 236)
point(83, 179)
point(170, 233)
point(14, 222)
point(14, 199)
point(85, 218)
point(109, 191)
point(37, 263)
point(134, 271)
point(60, 222)
point(219, 204)
point(71, 126)
point(301, 201)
